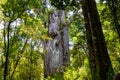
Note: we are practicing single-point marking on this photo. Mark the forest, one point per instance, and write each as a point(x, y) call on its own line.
point(59, 39)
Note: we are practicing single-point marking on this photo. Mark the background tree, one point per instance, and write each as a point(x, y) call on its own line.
point(101, 54)
point(114, 8)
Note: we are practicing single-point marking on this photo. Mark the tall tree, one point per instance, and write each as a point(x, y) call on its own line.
point(114, 8)
point(60, 42)
point(103, 62)
point(53, 58)
point(59, 30)
point(91, 47)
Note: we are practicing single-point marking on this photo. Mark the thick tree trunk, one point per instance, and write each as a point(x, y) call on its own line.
point(64, 39)
point(53, 58)
point(91, 47)
point(57, 48)
point(102, 58)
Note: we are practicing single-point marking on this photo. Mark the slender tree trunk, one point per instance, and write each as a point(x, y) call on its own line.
point(115, 17)
point(53, 57)
point(31, 61)
point(17, 61)
point(102, 58)
point(64, 38)
point(7, 52)
point(113, 5)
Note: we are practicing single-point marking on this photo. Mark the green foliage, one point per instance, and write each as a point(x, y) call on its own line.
point(25, 27)
point(63, 4)
point(27, 33)
point(73, 73)
point(111, 36)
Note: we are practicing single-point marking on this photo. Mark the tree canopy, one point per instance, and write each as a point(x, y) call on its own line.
point(59, 39)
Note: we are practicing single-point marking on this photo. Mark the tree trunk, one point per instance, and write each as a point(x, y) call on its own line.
point(64, 38)
point(102, 58)
point(53, 57)
point(115, 17)
point(114, 5)
point(7, 52)
point(91, 47)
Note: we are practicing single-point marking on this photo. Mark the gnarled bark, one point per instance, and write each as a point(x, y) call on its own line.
point(53, 58)
point(64, 38)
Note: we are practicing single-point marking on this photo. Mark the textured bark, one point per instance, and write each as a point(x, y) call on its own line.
point(102, 58)
point(64, 39)
point(91, 47)
point(53, 58)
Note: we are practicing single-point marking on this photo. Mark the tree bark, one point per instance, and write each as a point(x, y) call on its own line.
point(58, 46)
point(64, 38)
point(53, 57)
point(103, 62)
point(91, 47)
